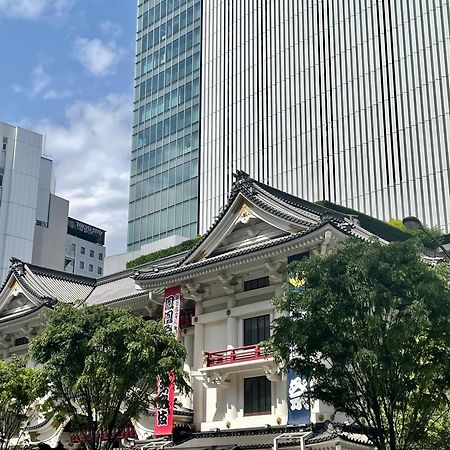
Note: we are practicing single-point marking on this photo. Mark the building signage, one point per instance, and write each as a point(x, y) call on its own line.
point(128, 432)
point(295, 279)
point(297, 386)
point(85, 231)
point(171, 321)
point(298, 401)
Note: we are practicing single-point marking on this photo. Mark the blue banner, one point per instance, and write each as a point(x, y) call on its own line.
point(297, 399)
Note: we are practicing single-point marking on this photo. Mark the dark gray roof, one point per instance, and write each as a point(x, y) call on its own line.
point(50, 286)
point(114, 290)
point(253, 190)
point(325, 436)
point(345, 228)
point(245, 439)
point(260, 438)
point(47, 284)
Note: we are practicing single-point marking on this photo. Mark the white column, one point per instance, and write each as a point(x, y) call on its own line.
point(197, 387)
point(189, 344)
point(232, 398)
point(232, 341)
point(232, 323)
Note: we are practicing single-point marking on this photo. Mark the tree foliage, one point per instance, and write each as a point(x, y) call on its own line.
point(20, 386)
point(425, 239)
point(103, 364)
point(371, 330)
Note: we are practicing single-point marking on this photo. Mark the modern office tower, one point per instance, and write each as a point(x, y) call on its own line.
point(164, 160)
point(343, 101)
point(20, 170)
point(340, 100)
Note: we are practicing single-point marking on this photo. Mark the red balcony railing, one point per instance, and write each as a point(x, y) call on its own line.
point(234, 355)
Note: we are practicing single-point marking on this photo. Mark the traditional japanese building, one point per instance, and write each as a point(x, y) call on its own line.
point(240, 397)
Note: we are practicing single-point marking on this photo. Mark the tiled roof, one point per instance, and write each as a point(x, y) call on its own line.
point(243, 439)
point(224, 256)
point(254, 190)
point(262, 438)
point(49, 284)
point(338, 431)
point(115, 290)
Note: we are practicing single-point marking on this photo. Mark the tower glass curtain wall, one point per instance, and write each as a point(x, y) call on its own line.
point(340, 100)
point(165, 150)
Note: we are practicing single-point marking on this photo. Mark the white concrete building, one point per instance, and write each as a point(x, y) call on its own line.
point(240, 396)
point(25, 175)
point(85, 249)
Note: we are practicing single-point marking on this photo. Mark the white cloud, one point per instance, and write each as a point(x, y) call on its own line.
point(110, 29)
point(40, 79)
point(34, 9)
point(53, 94)
point(38, 85)
point(99, 58)
point(91, 156)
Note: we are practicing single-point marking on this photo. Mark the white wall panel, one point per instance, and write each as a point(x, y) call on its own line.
point(344, 101)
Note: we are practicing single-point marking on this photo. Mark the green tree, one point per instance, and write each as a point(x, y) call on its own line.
point(426, 241)
point(103, 364)
point(371, 331)
point(438, 436)
point(20, 386)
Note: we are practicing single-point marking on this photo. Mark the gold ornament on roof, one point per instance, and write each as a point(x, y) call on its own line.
point(245, 214)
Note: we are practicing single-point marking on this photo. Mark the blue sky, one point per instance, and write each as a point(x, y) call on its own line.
point(67, 72)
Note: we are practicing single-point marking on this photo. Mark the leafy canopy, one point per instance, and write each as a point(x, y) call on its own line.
point(435, 232)
point(103, 364)
point(371, 330)
point(20, 386)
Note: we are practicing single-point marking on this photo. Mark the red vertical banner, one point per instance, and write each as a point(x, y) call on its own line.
point(171, 320)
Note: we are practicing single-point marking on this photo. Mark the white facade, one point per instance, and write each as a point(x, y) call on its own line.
point(49, 246)
point(20, 165)
point(343, 101)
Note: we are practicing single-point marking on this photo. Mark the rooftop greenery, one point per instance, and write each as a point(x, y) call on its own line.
point(382, 229)
point(164, 253)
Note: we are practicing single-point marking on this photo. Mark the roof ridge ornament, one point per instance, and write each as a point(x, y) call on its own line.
point(240, 175)
point(17, 266)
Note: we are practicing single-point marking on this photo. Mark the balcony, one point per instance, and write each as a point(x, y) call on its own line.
point(219, 365)
point(236, 355)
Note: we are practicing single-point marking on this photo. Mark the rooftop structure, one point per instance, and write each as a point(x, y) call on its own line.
point(227, 282)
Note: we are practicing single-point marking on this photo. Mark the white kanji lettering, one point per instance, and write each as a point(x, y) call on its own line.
point(297, 387)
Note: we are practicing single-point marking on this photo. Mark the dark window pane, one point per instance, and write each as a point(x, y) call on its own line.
point(257, 396)
point(256, 283)
point(256, 329)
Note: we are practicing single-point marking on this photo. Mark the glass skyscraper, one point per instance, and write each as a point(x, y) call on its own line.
point(324, 99)
point(164, 162)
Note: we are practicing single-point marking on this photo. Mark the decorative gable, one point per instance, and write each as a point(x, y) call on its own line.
point(255, 213)
point(15, 300)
